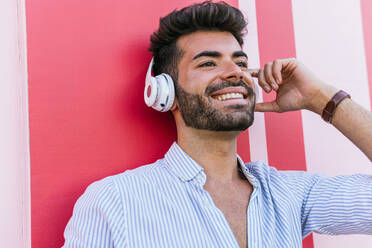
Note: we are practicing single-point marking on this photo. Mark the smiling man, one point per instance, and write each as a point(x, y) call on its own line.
point(213, 92)
point(201, 194)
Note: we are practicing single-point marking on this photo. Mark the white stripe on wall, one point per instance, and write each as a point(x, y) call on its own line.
point(329, 40)
point(14, 143)
point(257, 132)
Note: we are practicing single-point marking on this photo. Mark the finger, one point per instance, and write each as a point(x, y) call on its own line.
point(269, 76)
point(277, 71)
point(267, 107)
point(253, 72)
point(262, 81)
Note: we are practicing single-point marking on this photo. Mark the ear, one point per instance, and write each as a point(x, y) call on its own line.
point(175, 105)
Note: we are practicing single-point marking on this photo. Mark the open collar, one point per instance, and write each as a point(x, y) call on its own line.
point(181, 163)
point(186, 169)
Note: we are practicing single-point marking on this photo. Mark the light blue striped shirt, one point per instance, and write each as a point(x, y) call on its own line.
point(164, 205)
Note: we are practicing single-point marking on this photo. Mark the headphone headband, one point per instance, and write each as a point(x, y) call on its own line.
point(149, 70)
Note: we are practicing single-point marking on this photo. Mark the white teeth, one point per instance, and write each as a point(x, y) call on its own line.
point(230, 96)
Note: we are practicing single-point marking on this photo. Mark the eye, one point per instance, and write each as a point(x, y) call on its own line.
point(242, 64)
point(207, 64)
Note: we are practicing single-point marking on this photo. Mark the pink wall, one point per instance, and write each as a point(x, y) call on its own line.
point(87, 63)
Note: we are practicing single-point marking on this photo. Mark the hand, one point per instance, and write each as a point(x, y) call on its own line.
point(296, 87)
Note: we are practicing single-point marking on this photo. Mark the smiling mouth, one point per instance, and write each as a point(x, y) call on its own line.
point(228, 96)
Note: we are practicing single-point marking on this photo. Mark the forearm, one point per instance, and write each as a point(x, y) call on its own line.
point(355, 123)
point(350, 118)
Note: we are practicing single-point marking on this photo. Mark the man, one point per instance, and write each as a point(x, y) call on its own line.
point(201, 194)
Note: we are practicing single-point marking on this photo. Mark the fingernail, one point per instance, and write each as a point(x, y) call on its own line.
point(267, 88)
point(274, 85)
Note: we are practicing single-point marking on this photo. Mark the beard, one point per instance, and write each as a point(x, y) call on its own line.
point(198, 111)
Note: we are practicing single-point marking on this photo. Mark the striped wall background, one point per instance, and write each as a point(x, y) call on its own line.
point(335, 41)
point(77, 115)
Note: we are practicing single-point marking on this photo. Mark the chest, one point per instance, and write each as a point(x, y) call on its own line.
point(233, 203)
point(187, 222)
point(184, 215)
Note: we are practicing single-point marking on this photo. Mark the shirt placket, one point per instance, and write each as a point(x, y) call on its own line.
point(254, 222)
point(254, 215)
point(221, 230)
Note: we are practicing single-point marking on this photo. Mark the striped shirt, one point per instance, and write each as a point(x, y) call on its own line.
point(164, 204)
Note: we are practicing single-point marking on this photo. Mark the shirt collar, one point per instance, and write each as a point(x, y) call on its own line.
point(243, 168)
point(181, 164)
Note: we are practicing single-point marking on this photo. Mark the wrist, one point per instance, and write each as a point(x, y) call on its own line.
point(321, 98)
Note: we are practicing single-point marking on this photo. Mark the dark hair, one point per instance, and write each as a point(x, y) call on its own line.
point(206, 16)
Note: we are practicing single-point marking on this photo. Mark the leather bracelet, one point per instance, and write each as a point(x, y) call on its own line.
point(331, 106)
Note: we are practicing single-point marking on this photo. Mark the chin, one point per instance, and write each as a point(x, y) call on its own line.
point(240, 126)
point(232, 122)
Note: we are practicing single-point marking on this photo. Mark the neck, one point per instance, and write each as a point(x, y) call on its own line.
point(214, 151)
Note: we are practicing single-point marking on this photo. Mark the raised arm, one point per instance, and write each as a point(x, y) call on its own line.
point(298, 88)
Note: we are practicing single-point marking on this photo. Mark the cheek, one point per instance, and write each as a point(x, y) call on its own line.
point(198, 81)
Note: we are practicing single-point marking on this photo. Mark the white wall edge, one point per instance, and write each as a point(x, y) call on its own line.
point(257, 132)
point(22, 48)
point(15, 228)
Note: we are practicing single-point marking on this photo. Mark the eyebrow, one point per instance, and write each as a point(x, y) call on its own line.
point(207, 54)
point(216, 54)
point(239, 54)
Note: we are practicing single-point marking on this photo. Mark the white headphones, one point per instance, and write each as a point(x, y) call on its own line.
point(159, 91)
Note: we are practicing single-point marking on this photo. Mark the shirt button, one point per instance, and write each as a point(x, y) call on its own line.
point(199, 178)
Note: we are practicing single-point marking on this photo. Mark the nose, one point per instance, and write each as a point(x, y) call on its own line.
point(232, 72)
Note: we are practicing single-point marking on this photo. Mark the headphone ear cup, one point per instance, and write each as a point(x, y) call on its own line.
point(151, 91)
point(166, 93)
point(159, 91)
point(171, 92)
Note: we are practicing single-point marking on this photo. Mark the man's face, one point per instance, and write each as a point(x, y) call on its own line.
point(214, 89)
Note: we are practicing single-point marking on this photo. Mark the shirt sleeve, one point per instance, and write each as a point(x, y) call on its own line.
point(337, 205)
point(98, 218)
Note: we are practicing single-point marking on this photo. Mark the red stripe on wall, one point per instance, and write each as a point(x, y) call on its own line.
point(284, 134)
point(243, 146)
point(366, 7)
